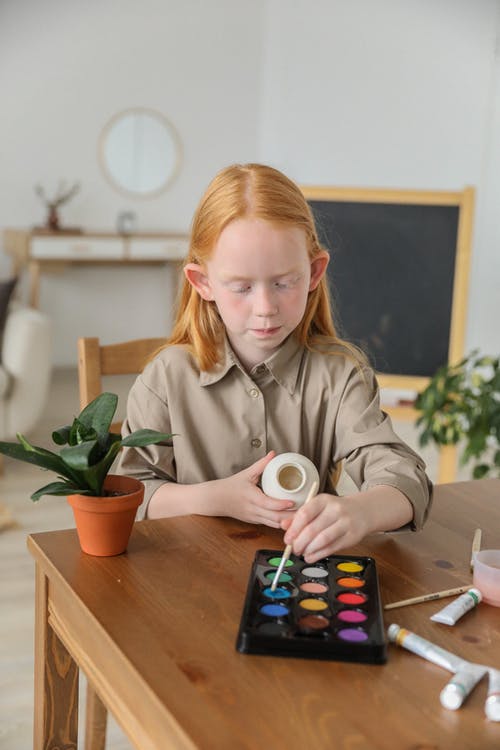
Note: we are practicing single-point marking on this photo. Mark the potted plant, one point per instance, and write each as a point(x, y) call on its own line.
point(462, 403)
point(104, 505)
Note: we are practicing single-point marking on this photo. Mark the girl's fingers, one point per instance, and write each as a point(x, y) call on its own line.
point(330, 549)
point(254, 471)
point(327, 539)
point(270, 503)
point(334, 539)
point(271, 524)
point(323, 531)
point(268, 517)
point(303, 521)
point(267, 520)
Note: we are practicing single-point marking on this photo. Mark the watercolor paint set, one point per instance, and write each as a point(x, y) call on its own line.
point(327, 610)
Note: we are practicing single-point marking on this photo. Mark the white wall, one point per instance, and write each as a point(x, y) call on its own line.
point(399, 93)
point(66, 66)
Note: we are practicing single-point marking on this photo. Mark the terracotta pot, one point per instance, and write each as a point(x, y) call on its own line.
point(104, 524)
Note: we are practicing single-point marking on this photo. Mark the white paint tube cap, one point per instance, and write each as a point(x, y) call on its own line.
point(392, 632)
point(451, 696)
point(492, 707)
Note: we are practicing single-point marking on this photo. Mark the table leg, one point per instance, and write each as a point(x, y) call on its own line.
point(34, 283)
point(95, 721)
point(56, 682)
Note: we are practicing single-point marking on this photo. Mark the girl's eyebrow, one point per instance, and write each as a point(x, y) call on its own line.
point(291, 272)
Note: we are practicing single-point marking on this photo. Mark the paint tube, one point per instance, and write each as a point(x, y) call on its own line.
point(450, 614)
point(492, 705)
point(461, 685)
point(426, 649)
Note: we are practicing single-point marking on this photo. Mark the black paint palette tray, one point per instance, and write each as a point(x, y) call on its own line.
point(330, 609)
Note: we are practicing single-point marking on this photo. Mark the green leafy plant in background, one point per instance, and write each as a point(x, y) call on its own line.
point(462, 403)
point(88, 451)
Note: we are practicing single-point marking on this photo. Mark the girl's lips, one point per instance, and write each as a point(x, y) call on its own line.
point(266, 331)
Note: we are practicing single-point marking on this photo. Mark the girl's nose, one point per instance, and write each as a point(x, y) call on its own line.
point(265, 302)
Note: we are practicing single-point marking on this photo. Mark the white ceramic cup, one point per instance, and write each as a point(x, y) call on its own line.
point(289, 476)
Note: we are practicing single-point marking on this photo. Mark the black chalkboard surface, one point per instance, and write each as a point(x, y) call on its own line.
point(398, 274)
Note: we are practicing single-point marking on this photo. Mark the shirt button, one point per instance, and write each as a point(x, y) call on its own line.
point(256, 443)
point(253, 392)
point(260, 369)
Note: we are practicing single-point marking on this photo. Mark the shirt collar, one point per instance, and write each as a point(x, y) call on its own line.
point(284, 365)
point(225, 363)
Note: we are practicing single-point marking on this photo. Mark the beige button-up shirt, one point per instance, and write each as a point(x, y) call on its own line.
point(318, 404)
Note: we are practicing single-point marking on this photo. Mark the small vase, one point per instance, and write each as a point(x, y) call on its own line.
point(289, 476)
point(104, 524)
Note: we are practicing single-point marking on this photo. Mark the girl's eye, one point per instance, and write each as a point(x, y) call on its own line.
point(241, 289)
point(286, 283)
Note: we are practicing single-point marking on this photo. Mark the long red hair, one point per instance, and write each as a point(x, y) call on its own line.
point(241, 191)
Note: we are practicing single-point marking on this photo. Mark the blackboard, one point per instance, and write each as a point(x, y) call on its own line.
point(398, 275)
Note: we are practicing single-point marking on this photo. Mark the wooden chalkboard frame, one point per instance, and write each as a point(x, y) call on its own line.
point(464, 200)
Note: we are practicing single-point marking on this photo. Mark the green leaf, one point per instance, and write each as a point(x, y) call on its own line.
point(480, 471)
point(32, 454)
point(100, 412)
point(79, 457)
point(461, 403)
point(141, 438)
point(55, 488)
point(88, 449)
point(61, 435)
point(79, 432)
point(95, 475)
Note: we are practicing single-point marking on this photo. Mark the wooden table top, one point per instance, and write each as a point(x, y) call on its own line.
point(156, 629)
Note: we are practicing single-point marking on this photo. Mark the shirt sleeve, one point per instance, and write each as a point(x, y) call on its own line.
point(154, 464)
point(371, 452)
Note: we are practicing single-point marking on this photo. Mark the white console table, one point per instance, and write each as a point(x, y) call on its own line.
point(39, 251)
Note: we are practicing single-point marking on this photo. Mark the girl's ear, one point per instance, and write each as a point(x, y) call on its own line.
point(198, 279)
point(318, 268)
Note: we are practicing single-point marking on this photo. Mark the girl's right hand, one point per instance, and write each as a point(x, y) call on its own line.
point(242, 499)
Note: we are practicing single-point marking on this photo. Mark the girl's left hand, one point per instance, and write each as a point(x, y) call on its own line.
point(326, 525)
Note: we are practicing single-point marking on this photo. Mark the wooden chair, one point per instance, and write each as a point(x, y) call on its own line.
point(94, 361)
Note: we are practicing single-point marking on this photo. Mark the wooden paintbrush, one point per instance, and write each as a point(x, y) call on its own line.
point(288, 548)
point(476, 546)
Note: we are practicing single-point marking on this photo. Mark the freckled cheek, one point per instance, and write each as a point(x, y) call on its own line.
point(296, 302)
point(232, 305)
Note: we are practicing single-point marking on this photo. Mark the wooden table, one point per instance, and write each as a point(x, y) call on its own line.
point(154, 632)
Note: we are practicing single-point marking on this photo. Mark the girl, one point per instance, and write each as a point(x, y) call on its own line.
point(254, 367)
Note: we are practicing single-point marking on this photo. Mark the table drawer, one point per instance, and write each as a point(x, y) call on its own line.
point(172, 248)
point(77, 248)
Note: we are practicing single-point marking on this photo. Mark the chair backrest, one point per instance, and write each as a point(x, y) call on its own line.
point(96, 360)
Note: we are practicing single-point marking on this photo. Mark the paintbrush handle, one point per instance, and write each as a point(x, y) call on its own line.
point(283, 561)
point(428, 597)
point(476, 546)
point(288, 548)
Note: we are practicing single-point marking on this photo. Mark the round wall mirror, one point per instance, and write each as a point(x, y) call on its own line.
point(139, 151)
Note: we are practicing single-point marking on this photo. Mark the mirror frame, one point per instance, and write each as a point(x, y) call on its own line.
point(103, 162)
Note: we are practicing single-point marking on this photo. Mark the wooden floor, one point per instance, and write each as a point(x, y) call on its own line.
point(16, 566)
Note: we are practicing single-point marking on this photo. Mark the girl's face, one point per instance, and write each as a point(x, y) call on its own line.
point(259, 276)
